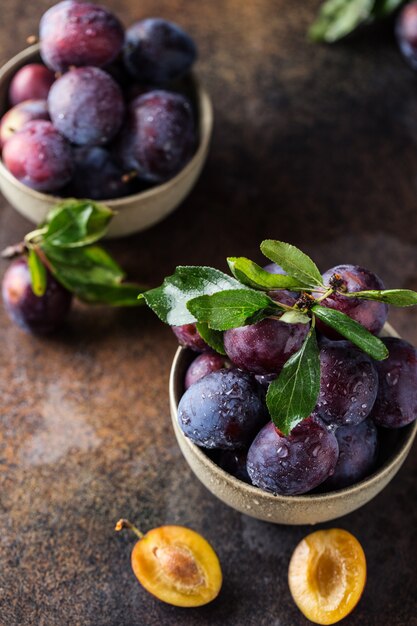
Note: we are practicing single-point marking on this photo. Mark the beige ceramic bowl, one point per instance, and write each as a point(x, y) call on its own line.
point(134, 213)
point(308, 509)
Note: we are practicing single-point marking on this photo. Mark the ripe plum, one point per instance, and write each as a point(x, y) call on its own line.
point(37, 314)
point(159, 137)
point(222, 410)
point(31, 82)
point(264, 347)
point(293, 464)
point(396, 402)
point(348, 384)
point(157, 51)
point(86, 106)
point(74, 33)
point(39, 157)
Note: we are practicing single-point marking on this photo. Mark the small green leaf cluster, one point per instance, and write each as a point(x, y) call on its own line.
point(217, 302)
point(65, 244)
point(338, 18)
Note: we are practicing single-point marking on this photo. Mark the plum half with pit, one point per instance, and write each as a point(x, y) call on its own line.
point(74, 33)
point(159, 137)
point(86, 106)
point(396, 402)
point(222, 410)
point(358, 449)
point(350, 278)
point(348, 384)
point(157, 51)
point(39, 157)
point(264, 347)
point(37, 314)
point(31, 82)
point(296, 463)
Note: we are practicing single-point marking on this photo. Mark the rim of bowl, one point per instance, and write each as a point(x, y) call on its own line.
point(388, 466)
point(205, 128)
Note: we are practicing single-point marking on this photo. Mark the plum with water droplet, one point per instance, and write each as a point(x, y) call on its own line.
point(351, 278)
point(358, 449)
point(264, 347)
point(39, 157)
point(348, 384)
point(296, 463)
point(74, 33)
point(396, 402)
point(86, 106)
point(159, 136)
point(16, 117)
point(222, 410)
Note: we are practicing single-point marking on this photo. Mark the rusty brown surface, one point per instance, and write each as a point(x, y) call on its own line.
point(312, 145)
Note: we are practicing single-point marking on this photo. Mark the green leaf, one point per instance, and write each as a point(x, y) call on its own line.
point(293, 261)
point(252, 275)
point(37, 273)
point(85, 265)
point(396, 297)
point(231, 308)
point(353, 331)
point(123, 294)
point(338, 18)
point(294, 317)
point(170, 299)
point(214, 338)
point(92, 275)
point(75, 223)
point(293, 395)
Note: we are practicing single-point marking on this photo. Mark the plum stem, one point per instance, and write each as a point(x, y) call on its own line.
point(16, 249)
point(325, 295)
point(124, 523)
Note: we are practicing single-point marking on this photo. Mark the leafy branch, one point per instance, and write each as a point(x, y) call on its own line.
point(65, 245)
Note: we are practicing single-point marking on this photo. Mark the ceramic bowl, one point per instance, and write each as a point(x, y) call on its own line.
point(134, 213)
point(304, 509)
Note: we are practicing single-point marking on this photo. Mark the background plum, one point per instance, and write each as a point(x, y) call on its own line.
point(157, 51)
point(39, 156)
point(31, 82)
point(159, 137)
point(86, 106)
point(19, 115)
point(76, 33)
point(42, 314)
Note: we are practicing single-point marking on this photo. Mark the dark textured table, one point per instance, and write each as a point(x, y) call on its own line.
point(313, 145)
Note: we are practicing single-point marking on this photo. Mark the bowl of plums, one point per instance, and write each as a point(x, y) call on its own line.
point(292, 398)
point(96, 111)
